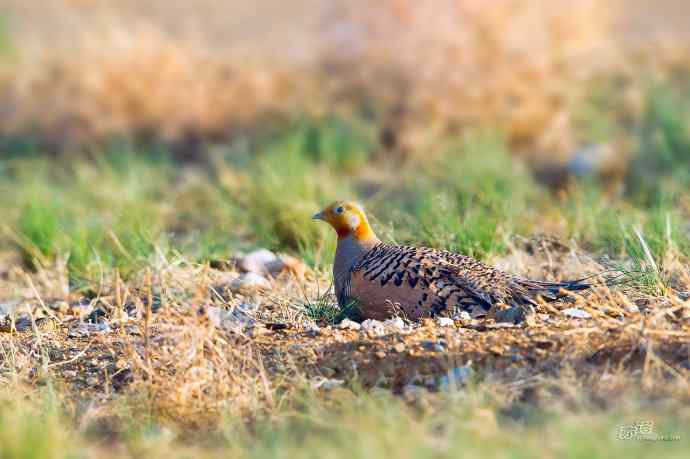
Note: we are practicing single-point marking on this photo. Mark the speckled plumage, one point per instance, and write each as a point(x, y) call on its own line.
point(384, 279)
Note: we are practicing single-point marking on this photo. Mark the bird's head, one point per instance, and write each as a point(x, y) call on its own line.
point(347, 219)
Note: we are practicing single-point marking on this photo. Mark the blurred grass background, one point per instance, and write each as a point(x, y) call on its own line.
point(128, 130)
point(198, 72)
point(133, 132)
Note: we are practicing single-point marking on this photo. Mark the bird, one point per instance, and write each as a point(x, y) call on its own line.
point(382, 280)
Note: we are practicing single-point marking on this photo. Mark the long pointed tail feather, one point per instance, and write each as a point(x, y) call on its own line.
point(552, 291)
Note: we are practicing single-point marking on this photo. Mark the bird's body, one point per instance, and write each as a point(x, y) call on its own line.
point(386, 279)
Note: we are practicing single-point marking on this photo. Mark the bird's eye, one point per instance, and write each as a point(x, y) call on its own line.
point(339, 210)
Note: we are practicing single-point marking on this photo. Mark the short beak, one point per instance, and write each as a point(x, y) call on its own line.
point(318, 216)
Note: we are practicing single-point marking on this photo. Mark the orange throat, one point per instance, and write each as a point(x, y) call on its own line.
point(363, 232)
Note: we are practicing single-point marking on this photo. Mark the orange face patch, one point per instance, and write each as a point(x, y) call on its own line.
point(347, 219)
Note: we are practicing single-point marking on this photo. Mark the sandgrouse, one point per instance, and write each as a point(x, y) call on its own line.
point(385, 279)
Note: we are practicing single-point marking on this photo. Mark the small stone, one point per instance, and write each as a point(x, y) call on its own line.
point(312, 330)
point(69, 374)
point(380, 355)
point(261, 261)
point(576, 313)
point(434, 346)
point(464, 316)
point(92, 381)
point(373, 327)
point(632, 308)
point(22, 324)
point(513, 315)
point(348, 324)
point(396, 324)
point(234, 320)
point(249, 282)
point(399, 348)
point(445, 322)
point(87, 328)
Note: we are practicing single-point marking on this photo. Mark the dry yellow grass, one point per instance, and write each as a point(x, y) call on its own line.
point(440, 66)
point(183, 369)
point(178, 72)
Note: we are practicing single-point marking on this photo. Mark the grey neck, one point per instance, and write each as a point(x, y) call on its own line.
point(348, 252)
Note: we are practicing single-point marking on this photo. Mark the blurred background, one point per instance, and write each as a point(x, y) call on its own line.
point(150, 148)
point(76, 73)
point(204, 118)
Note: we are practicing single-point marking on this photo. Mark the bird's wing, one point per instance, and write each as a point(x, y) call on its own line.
point(426, 282)
point(509, 288)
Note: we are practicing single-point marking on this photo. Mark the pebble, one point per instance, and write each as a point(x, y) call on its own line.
point(86, 329)
point(373, 327)
point(435, 346)
point(312, 330)
point(377, 328)
point(232, 320)
point(394, 325)
point(399, 348)
point(632, 308)
point(347, 324)
point(261, 261)
point(513, 315)
point(446, 321)
point(380, 355)
point(249, 282)
point(22, 324)
point(577, 313)
point(464, 316)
